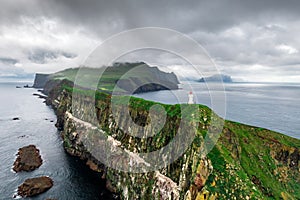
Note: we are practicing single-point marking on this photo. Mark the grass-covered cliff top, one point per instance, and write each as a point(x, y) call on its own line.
point(143, 104)
point(247, 160)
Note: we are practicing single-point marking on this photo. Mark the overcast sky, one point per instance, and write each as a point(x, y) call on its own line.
point(249, 40)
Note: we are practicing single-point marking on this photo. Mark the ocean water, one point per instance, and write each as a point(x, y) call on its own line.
point(72, 178)
point(275, 106)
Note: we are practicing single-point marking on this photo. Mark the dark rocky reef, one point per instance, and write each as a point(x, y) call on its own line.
point(28, 159)
point(34, 186)
point(40, 96)
point(40, 80)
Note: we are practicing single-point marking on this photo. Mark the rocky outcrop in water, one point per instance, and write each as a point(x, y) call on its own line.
point(34, 186)
point(28, 159)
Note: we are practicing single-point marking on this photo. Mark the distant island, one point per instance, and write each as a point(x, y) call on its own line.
point(216, 78)
point(124, 78)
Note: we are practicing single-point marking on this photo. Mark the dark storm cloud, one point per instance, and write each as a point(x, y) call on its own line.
point(186, 16)
point(237, 34)
point(9, 61)
point(42, 56)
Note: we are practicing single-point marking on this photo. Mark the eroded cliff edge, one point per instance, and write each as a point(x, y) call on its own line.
point(246, 163)
point(40, 80)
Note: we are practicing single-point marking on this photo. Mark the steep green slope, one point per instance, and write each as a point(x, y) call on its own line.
point(251, 161)
point(246, 163)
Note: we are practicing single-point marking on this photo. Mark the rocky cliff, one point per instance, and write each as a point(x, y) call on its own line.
point(40, 80)
point(246, 163)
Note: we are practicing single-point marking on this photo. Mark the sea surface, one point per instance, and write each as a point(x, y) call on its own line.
point(275, 106)
point(72, 178)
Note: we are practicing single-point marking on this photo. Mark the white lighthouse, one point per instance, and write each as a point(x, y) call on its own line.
point(191, 98)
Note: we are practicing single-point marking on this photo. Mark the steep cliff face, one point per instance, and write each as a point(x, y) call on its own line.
point(80, 138)
point(246, 163)
point(40, 80)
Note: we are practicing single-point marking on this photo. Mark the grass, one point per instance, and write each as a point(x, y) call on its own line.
point(254, 160)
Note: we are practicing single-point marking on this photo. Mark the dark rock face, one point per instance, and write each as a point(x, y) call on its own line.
point(27, 86)
point(16, 118)
point(35, 186)
point(28, 159)
point(295, 159)
point(131, 87)
point(157, 80)
point(40, 80)
point(289, 157)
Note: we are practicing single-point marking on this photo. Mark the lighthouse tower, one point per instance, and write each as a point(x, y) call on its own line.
point(191, 98)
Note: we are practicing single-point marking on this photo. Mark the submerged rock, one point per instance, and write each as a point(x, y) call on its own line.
point(28, 159)
point(35, 186)
point(40, 96)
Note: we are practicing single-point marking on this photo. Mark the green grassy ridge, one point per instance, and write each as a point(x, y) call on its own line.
point(134, 102)
point(139, 109)
point(241, 153)
point(132, 73)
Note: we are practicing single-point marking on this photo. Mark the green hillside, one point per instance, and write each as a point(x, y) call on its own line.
point(246, 163)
